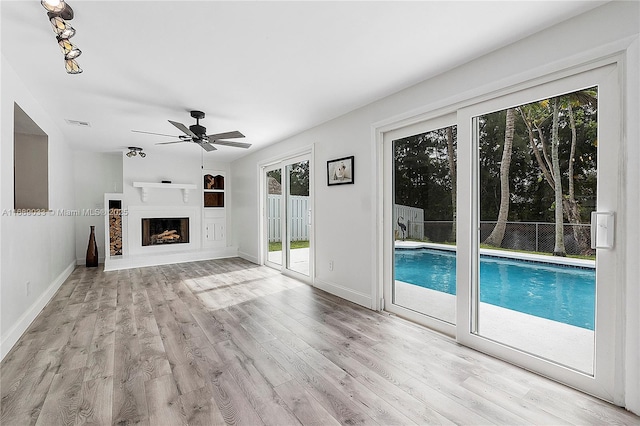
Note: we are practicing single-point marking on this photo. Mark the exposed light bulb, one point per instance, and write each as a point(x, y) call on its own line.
point(53, 6)
point(142, 154)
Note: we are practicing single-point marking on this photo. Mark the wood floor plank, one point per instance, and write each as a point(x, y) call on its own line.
point(262, 359)
point(100, 363)
point(163, 403)
point(344, 410)
point(229, 342)
point(304, 406)
point(200, 409)
point(258, 391)
point(61, 405)
point(377, 408)
point(129, 399)
point(96, 399)
point(24, 396)
point(233, 405)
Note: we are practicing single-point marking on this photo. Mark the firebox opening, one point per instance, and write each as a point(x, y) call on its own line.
point(162, 231)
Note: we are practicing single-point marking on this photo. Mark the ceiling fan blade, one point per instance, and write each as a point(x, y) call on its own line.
point(231, 143)
point(183, 128)
point(168, 143)
point(152, 133)
point(226, 135)
point(207, 146)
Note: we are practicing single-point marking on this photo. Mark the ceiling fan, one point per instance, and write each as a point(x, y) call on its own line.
point(198, 134)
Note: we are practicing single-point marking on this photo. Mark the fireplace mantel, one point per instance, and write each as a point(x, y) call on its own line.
point(144, 188)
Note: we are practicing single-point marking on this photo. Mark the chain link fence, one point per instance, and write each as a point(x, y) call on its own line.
point(528, 236)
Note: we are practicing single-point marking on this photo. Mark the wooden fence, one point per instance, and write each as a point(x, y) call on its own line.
point(299, 218)
point(413, 220)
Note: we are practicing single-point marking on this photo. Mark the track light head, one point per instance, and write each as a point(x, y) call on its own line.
point(134, 150)
point(58, 7)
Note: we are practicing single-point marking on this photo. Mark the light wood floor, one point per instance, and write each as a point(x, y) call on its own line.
point(227, 341)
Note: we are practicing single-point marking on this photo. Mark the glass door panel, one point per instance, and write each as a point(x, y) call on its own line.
point(298, 217)
point(273, 217)
point(424, 223)
point(537, 186)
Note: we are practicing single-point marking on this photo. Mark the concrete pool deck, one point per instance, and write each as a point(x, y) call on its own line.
point(561, 343)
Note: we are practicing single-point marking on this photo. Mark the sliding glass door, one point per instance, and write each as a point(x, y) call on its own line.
point(537, 256)
point(423, 222)
point(287, 216)
point(499, 226)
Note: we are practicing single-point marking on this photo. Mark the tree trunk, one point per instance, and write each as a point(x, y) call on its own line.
point(582, 234)
point(495, 239)
point(572, 209)
point(572, 155)
point(558, 249)
point(452, 174)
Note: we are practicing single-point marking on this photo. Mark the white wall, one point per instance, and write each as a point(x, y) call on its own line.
point(35, 249)
point(94, 174)
point(31, 183)
point(180, 165)
point(162, 164)
point(346, 225)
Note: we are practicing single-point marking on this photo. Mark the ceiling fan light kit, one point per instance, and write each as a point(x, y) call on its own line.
point(59, 12)
point(198, 134)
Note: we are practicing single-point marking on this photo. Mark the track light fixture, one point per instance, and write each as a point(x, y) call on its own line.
point(134, 150)
point(59, 12)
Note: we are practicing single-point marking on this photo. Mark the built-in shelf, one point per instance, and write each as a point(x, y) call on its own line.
point(145, 186)
point(213, 190)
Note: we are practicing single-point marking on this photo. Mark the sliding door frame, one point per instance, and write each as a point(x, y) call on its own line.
point(610, 382)
point(304, 154)
point(388, 221)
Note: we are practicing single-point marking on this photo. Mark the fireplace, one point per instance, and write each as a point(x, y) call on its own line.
point(164, 231)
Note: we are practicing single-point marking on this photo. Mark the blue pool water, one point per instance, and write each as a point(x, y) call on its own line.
point(560, 293)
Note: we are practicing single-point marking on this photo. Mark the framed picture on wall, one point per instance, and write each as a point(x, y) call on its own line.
point(340, 171)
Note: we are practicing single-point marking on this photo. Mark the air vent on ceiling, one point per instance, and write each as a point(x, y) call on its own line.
point(78, 123)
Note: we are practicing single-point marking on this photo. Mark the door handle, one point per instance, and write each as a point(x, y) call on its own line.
point(602, 230)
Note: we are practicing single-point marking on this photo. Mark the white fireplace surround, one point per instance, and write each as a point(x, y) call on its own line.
point(134, 231)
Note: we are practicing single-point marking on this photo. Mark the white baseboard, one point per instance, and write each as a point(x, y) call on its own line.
point(141, 261)
point(248, 257)
point(356, 297)
point(30, 314)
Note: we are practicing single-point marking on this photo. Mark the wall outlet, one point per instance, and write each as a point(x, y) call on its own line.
point(28, 287)
point(331, 265)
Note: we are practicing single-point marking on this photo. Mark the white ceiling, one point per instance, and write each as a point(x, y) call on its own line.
point(268, 69)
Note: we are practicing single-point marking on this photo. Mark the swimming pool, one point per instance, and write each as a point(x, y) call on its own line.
point(559, 293)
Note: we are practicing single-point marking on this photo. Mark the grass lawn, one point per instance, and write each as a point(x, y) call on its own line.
point(277, 245)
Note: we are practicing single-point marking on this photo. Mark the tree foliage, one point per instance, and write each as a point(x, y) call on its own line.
point(422, 167)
